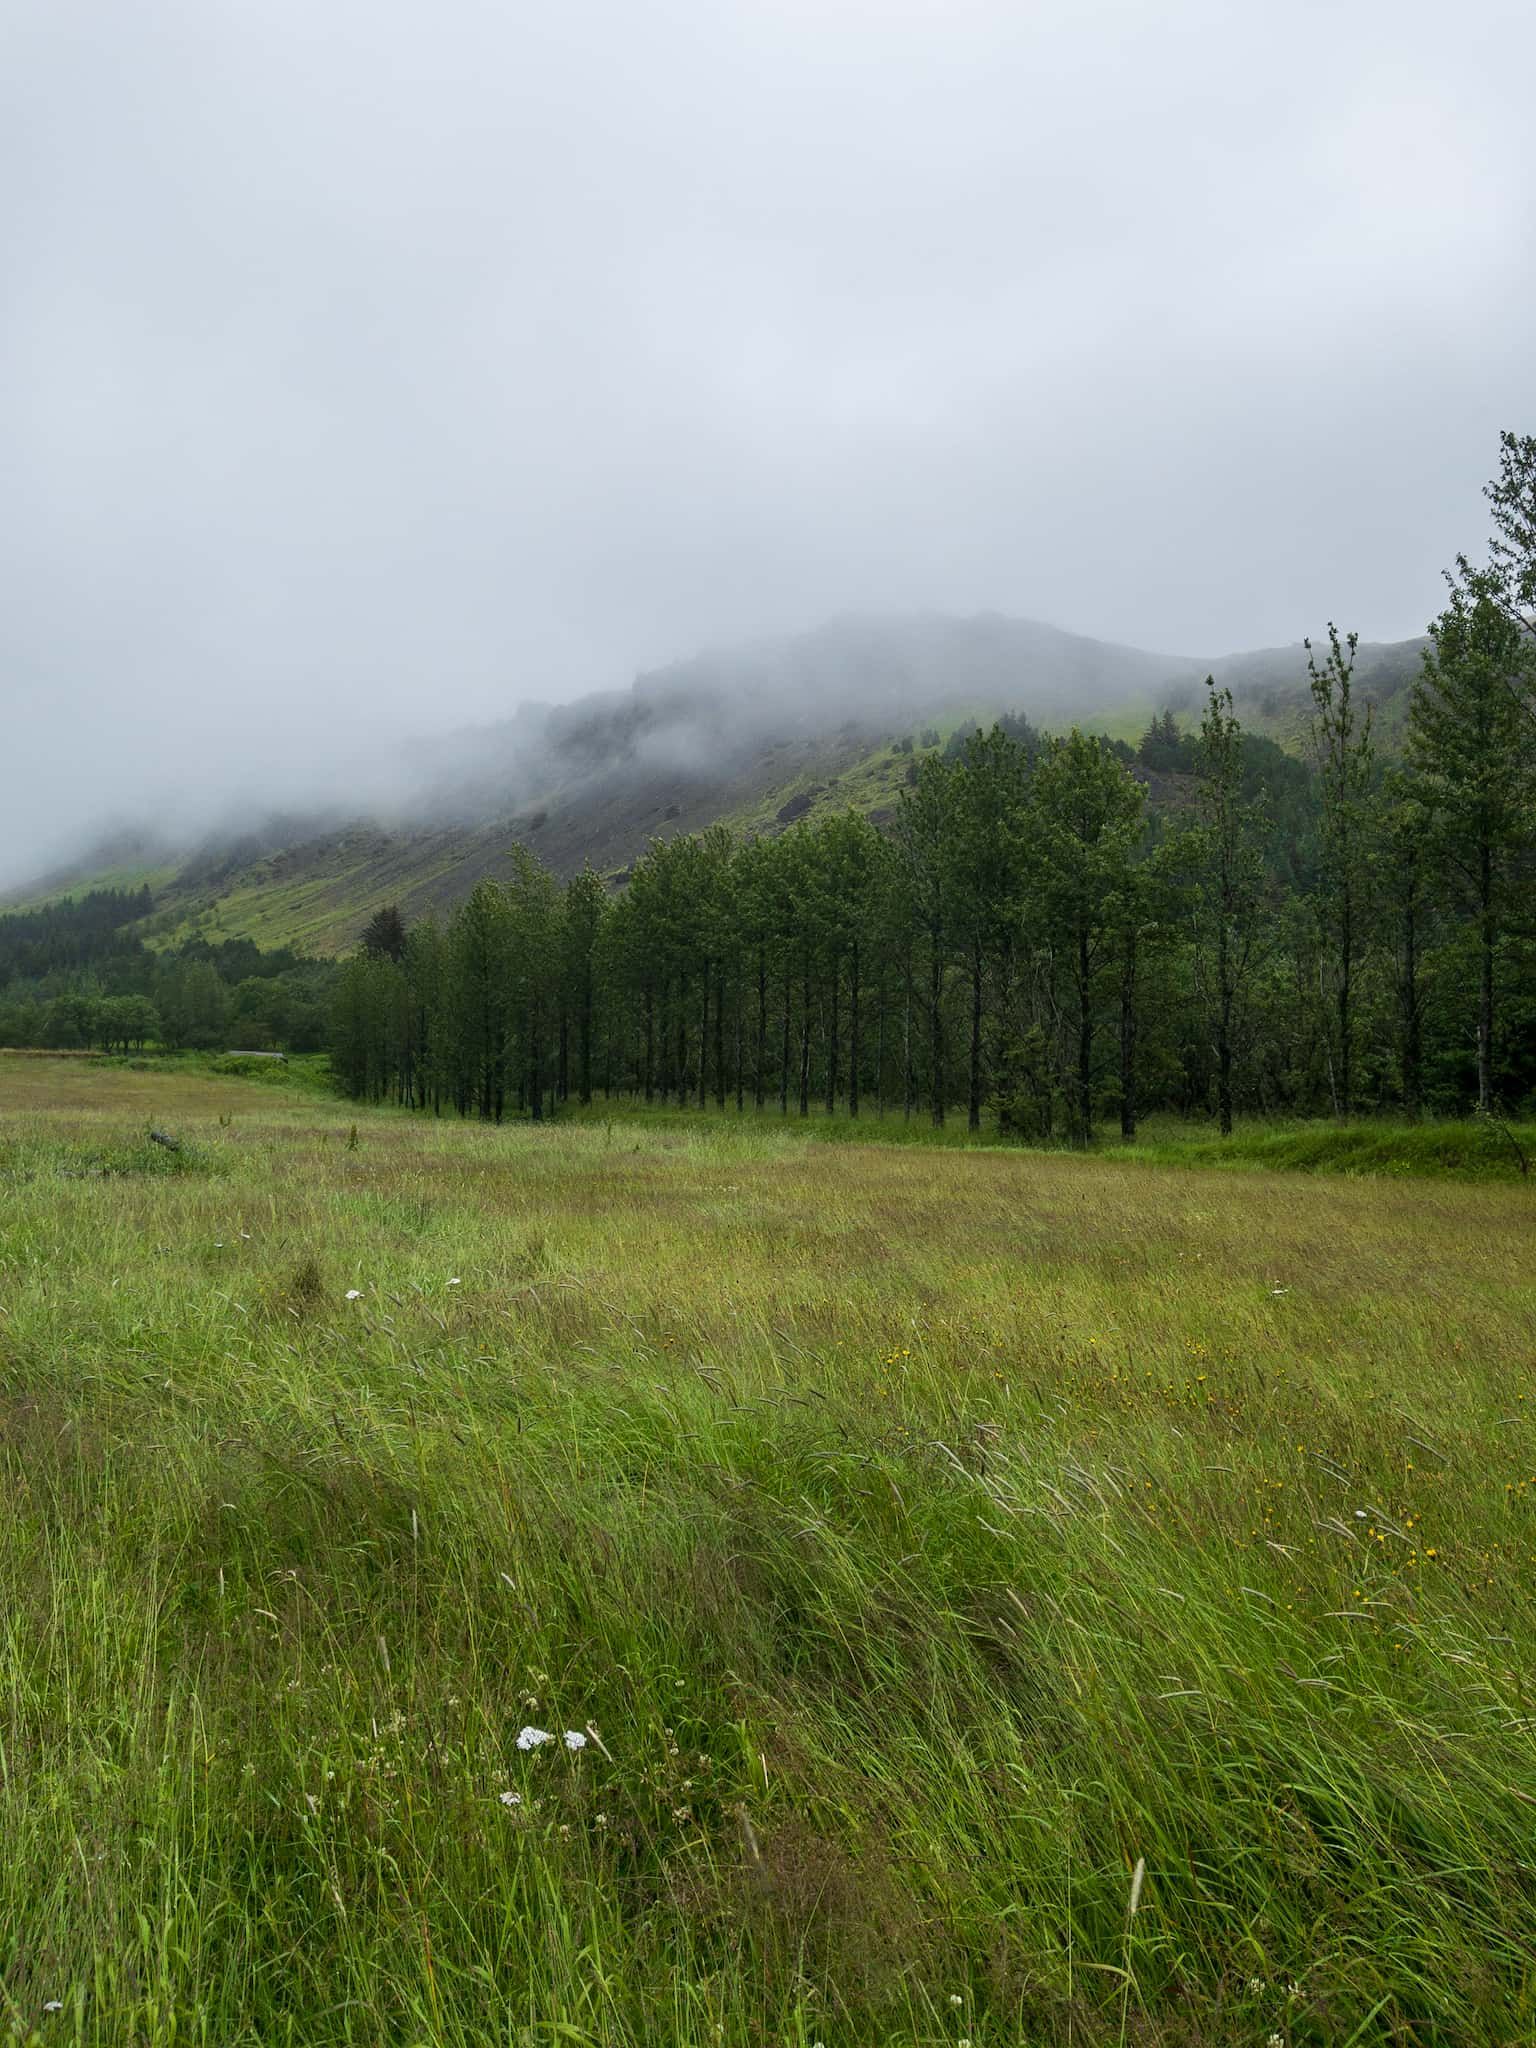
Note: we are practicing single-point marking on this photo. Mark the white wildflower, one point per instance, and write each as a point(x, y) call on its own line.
point(574, 1739)
point(511, 1798)
point(533, 1738)
point(354, 1294)
point(54, 2005)
point(1275, 2041)
point(1255, 1986)
point(955, 1998)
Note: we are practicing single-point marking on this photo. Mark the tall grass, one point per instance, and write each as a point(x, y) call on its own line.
point(921, 1539)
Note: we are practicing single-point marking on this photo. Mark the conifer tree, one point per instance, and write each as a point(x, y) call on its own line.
point(1469, 746)
point(1344, 757)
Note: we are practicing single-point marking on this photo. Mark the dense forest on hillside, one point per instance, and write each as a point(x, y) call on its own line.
point(75, 975)
point(1319, 936)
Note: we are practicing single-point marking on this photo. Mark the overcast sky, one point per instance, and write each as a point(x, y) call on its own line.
point(367, 365)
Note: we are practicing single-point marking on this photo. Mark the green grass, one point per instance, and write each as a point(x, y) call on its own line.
point(928, 1535)
point(1462, 1148)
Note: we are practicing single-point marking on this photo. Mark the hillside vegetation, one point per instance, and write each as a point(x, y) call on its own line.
point(1004, 1598)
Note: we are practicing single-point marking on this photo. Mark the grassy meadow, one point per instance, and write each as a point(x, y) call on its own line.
point(995, 1598)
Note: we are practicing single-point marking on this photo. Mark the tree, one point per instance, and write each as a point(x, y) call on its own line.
point(1085, 821)
point(1510, 577)
point(477, 973)
point(1230, 873)
point(1342, 750)
point(1468, 744)
point(989, 796)
point(586, 904)
point(1405, 837)
point(924, 840)
point(384, 933)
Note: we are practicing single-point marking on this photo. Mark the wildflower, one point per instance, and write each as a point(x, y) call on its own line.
point(955, 1998)
point(511, 1798)
point(354, 1294)
point(574, 1739)
point(54, 2005)
point(533, 1738)
point(1255, 1986)
point(1275, 2041)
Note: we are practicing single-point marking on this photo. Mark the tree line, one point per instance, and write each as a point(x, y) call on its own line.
point(1025, 940)
point(75, 975)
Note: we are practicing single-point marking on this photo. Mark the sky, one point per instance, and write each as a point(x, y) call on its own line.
point(367, 368)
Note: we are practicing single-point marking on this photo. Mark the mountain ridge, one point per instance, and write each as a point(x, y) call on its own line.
point(752, 736)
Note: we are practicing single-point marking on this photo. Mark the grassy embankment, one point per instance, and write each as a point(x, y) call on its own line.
point(927, 1536)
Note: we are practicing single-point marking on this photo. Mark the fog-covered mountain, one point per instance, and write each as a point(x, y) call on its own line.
point(754, 735)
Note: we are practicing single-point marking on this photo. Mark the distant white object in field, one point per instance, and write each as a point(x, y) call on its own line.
point(534, 1738)
point(574, 1739)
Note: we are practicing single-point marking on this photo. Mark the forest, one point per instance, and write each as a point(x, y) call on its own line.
point(76, 976)
point(1030, 941)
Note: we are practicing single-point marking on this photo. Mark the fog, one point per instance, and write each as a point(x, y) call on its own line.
point(370, 370)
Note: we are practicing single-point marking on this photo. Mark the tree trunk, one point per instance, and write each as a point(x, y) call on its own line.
point(834, 1051)
point(682, 1045)
point(909, 1076)
point(535, 1067)
point(973, 1110)
point(1346, 1021)
point(760, 1078)
point(650, 1041)
point(1084, 1040)
point(805, 1038)
point(741, 1074)
point(704, 1035)
point(1413, 1058)
point(880, 1044)
point(853, 1031)
point(1128, 1038)
point(720, 1073)
point(584, 1045)
point(936, 1089)
point(784, 1048)
point(1485, 926)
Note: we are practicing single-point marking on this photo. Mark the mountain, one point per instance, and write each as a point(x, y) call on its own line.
point(755, 736)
